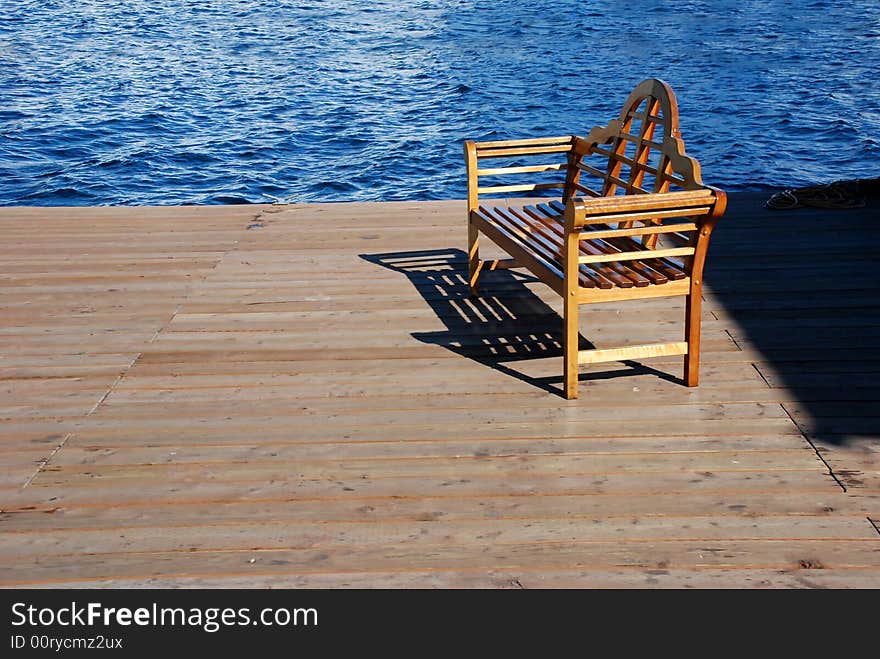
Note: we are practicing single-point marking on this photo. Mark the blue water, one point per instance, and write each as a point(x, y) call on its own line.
point(237, 101)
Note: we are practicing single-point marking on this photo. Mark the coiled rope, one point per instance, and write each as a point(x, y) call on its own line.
point(840, 194)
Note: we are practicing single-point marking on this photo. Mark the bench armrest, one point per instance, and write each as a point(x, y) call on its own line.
point(701, 207)
point(702, 204)
point(474, 152)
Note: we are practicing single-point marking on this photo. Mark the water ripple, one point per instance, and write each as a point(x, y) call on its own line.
point(246, 101)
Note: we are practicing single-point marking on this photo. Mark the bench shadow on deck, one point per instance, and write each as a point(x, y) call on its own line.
point(506, 324)
point(801, 289)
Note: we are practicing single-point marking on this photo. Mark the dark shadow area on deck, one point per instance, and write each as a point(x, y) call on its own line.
point(800, 289)
point(507, 323)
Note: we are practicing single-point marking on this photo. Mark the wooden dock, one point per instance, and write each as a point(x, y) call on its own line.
point(304, 396)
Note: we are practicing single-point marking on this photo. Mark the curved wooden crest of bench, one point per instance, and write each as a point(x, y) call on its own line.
point(646, 152)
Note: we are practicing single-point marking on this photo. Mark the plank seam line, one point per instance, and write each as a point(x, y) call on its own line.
point(114, 384)
point(738, 346)
point(207, 273)
point(187, 292)
point(814, 447)
point(761, 375)
point(44, 461)
point(161, 328)
point(41, 465)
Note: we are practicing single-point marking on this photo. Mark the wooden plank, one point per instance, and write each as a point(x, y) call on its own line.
point(79, 452)
point(424, 421)
point(418, 467)
point(533, 508)
point(516, 578)
point(604, 398)
point(155, 492)
point(517, 378)
point(766, 554)
point(138, 430)
point(430, 534)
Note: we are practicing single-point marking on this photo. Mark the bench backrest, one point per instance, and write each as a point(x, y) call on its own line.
point(526, 167)
point(639, 152)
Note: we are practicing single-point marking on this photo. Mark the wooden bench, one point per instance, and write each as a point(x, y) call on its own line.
point(634, 220)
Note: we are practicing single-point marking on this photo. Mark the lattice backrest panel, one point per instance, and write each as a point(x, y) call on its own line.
point(531, 167)
point(638, 153)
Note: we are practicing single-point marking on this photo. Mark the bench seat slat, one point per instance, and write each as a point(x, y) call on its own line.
point(550, 229)
point(547, 271)
point(538, 243)
point(550, 244)
point(622, 275)
point(652, 269)
point(605, 271)
point(664, 270)
point(638, 273)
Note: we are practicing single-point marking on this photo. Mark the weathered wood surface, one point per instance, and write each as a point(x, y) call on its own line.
point(304, 396)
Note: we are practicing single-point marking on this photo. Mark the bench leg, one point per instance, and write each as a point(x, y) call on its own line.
point(473, 260)
point(570, 346)
point(693, 307)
